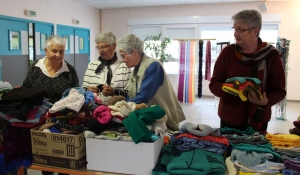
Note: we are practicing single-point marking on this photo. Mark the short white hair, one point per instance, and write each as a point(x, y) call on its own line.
point(129, 42)
point(107, 37)
point(55, 40)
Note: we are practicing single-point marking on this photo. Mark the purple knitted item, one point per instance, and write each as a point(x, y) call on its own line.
point(14, 165)
point(181, 71)
point(292, 166)
point(17, 143)
point(208, 61)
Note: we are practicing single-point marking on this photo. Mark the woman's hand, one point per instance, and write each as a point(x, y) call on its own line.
point(253, 98)
point(94, 89)
point(108, 90)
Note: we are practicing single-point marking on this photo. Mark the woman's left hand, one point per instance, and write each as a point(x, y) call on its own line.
point(108, 90)
point(253, 98)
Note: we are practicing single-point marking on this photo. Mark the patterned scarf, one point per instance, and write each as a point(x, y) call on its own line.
point(107, 63)
point(257, 59)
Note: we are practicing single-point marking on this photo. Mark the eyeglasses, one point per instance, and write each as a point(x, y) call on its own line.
point(102, 47)
point(239, 30)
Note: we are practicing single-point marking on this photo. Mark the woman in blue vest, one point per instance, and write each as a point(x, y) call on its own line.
point(148, 82)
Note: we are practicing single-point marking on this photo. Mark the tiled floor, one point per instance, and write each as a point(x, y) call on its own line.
point(204, 111)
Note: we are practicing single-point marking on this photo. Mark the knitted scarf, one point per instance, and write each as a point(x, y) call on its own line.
point(259, 58)
point(200, 68)
point(259, 70)
point(208, 61)
point(107, 63)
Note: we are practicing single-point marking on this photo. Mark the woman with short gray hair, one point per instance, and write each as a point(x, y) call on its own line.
point(130, 42)
point(108, 69)
point(55, 40)
point(107, 37)
point(248, 57)
point(149, 82)
point(251, 17)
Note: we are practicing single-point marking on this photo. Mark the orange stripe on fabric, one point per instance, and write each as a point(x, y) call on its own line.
point(191, 74)
point(263, 44)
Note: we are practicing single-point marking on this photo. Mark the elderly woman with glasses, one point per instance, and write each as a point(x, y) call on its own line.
point(248, 57)
point(148, 81)
point(107, 69)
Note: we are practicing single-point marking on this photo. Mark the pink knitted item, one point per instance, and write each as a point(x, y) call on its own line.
point(73, 101)
point(102, 114)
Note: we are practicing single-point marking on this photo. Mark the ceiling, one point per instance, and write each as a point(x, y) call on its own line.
point(112, 4)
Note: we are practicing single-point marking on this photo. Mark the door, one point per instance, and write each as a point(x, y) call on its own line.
point(78, 45)
point(42, 32)
point(67, 33)
point(82, 54)
point(14, 58)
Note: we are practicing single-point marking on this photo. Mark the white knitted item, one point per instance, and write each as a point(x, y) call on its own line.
point(5, 85)
point(73, 101)
point(122, 108)
point(89, 134)
point(161, 125)
point(159, 131)
point(230, 168)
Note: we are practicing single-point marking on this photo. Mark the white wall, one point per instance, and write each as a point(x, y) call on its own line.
point(115, 21)
point(57, 12)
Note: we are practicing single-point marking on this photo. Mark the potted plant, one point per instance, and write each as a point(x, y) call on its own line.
point(156, 46)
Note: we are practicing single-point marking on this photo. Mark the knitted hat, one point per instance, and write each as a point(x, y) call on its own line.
point(249, 159)
point(73, 101)
point(199, 130)
point(102, 114)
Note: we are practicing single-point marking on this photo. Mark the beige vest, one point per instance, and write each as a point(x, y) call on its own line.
point(164, 96)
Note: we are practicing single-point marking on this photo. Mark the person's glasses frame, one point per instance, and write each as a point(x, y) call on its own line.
point(239, 30)
point(102, 47)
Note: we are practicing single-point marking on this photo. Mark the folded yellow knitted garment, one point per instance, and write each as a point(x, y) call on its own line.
point(283, 140)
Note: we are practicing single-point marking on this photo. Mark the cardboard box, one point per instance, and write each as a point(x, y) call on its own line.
point(58, 150)
point(122, 157)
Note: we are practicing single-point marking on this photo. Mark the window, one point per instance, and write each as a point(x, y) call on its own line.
point(14, 40)
point(172, 66)
point(143, 32)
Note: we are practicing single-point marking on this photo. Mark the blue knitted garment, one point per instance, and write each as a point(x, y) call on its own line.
point(14, 165)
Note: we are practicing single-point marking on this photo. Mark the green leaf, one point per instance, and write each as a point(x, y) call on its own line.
point(156, 45)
